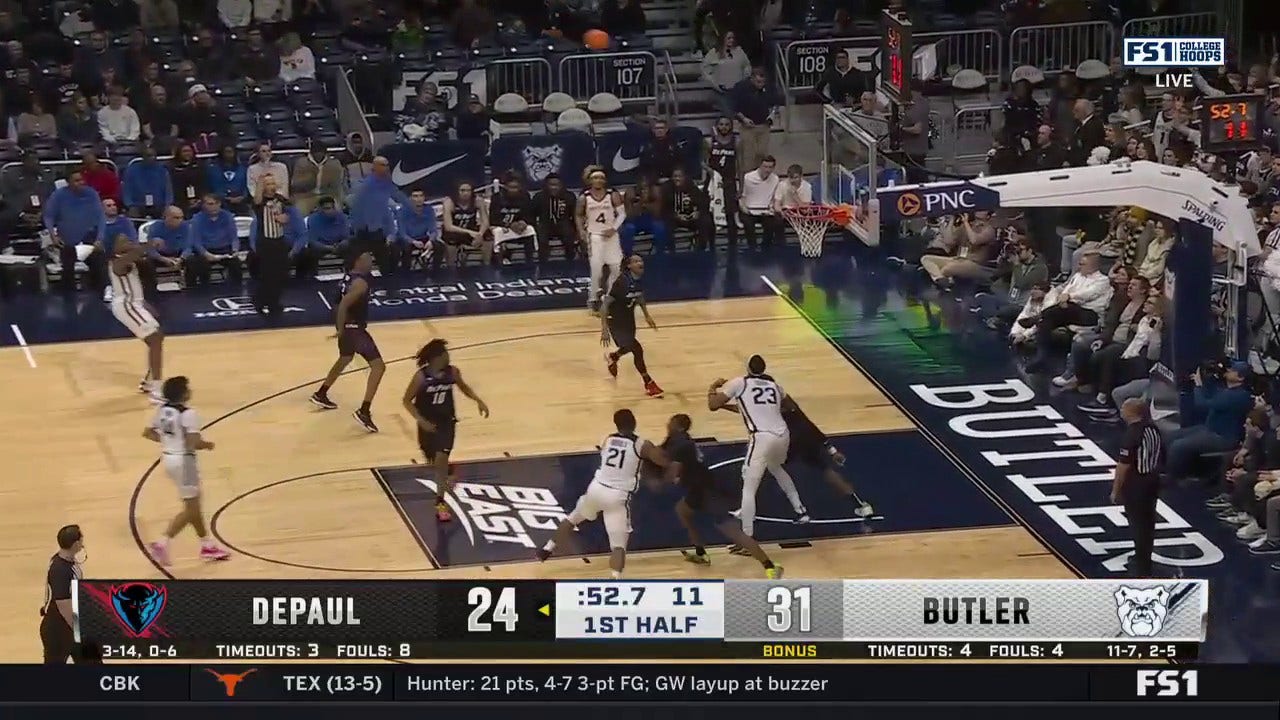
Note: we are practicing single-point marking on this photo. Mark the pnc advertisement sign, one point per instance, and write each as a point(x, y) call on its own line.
point(930, 201)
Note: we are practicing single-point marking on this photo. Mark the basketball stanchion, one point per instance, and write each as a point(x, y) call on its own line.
point(812, 221)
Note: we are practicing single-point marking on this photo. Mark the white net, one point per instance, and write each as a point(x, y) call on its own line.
point(810, 223)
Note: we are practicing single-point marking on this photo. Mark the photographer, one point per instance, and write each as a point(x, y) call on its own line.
point(1020, 269)
point(974, 256)
point(1221, 396)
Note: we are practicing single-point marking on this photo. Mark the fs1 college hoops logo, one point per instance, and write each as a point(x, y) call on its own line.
point(1142, 611)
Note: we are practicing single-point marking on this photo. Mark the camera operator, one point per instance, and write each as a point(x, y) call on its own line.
point(1019, 269)
point(1221, 397)
point(913, 133)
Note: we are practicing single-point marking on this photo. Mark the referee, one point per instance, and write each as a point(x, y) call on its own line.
point(57, 620)
point(1137, 481)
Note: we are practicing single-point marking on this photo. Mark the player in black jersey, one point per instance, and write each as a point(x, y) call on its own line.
point(429, 400)
point(685, 205)
point(722, 160)
point(701, 496)
point(351, 321)
point(809, 446)
point(618, 321)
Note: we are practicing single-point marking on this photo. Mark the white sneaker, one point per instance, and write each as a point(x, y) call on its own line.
point(1063, 380)
point(864, 510)
point(1259, 542)
point(107, 294)
point(1251, 531)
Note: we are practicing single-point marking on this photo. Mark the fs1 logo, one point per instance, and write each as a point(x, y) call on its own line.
point(1168, 683)
point(1182, 52)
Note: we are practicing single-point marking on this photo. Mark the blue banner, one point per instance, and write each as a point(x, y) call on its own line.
point(934, 200)
point(536, 156)
point(619, 152)
point(436, 168)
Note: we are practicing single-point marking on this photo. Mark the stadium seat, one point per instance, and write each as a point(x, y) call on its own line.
point(511, 113)
point(1030, 73)
point(969, 88)
point(557, 102)
point(1092, 70)
point(606, 112)
point(573, 119)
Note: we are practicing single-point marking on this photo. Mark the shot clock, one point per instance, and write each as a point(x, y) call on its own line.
point(896, 55)
point(1231, 123)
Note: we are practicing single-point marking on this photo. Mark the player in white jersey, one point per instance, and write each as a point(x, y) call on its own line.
point(131, 309)
point(599, 216)
point(760, 400)
point(177, 428)
point(609, 493)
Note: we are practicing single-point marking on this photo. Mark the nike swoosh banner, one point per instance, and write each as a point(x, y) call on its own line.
point(536, 156)
point(436, 168)
point(620, 153)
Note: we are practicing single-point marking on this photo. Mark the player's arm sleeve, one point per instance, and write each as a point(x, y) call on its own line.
point(734, 388)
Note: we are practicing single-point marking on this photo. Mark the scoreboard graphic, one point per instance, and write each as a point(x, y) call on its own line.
point(871, 619)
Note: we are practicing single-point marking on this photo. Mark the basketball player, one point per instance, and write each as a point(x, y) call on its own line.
point(466, 225)
point(701, 496)
point(177, 428)
point(351, 323)
point(760, 402)
point(609, 493)
point(429, 400)
point(132, 310)
point(722, 154)
point(600, 215)
point(618, 322)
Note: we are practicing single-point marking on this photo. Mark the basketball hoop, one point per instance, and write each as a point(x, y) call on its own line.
point(811, 222)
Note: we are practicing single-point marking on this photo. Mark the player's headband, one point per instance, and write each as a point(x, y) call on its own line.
point(596, 174)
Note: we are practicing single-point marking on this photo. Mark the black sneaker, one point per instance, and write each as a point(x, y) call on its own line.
point(321, 399)
point(1094, 407)
point(542, 554)
point(1269, 547)
point(365, 419)
point(738, 550)
point(695, 558)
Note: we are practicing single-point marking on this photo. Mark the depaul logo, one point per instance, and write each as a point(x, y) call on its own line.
point(138, 605)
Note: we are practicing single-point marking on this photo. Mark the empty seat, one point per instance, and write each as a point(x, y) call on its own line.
point(573, 119)
point(511, 112)
point(557, 103)
point(1092, 70)
point(604, 103)
point(1030, 73)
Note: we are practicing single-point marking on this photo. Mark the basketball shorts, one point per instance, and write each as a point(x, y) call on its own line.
point(810, 451)
point(613, 505)
point(605, 250)
point(706, 498)
point(764, 450)
point(439, 441)
point(623, 333)
point(358, 341)
point(184, 473)
point(137, 317)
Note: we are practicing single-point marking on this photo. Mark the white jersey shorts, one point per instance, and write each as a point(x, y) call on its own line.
point(605, 250)
point(184, 473)
point(611, 503)
point(765, 450)
point(136, 317)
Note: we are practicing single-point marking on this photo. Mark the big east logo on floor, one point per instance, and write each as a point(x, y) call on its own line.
point(1061, 476)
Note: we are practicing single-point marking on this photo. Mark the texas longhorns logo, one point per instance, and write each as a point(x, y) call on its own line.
point(229, 680)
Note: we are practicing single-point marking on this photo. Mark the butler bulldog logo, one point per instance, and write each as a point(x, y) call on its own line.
point(1142, 611)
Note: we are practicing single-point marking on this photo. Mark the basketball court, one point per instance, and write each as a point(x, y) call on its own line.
point(297, 492)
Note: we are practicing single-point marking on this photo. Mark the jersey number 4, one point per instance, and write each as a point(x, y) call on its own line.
point(600, 219)
point(613, 458)
point(764, 396)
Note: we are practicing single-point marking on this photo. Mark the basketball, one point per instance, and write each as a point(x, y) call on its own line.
point(596, 39)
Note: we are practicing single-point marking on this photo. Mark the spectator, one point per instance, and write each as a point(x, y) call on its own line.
point(1089, 132)
point(726, 66)
point(758, 189)
point(36, 124)
point(1123, 361)
point(96, 55)
point(160, 122)
point(296, 60)
point(1079, 301)
point(1022, 332)
point(181, 79)
point(276, 237)
point(147, 187)
point(728, 16)
point(621, 18)
point(114, 16)
point(512, 221)
point(235, 14)
point(328, 234)
point(117, 122)
point(686, 206)
point(271, 13)
point(1128, 293)
point(357, 161)
point(228, 179)
point(115, 225)
point(1132, 105)
point(137, 54)
point(1020, 268)
point(77, 124)
point(914, 129)
point(102, 178)
point(214, 240)
point(169, 238)
point(26, 190)
point(190, 179)
point(843, 83)
point(427, 114)
point(266, 166)
point(644, 214)
point(61, 85)
point(1157, 251)
point(1062, 103)
point(209, 55)
point(316, 174)
point(141, 95)
point(73, 216)
point(97, 89)
point(660, 156)
point(753, 104)
point(555, 209)
point(794, 191)
point(472, 22)
point(419, 233)
point(21, 91)
point(160, 15)
point(1022, 113)
point(472, 120)
point(1224, 407)
point(975, 254)
point(255, 61)
point(200, 121)
point(371, 218)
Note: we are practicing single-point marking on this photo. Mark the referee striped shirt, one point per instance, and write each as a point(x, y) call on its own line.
point(1143, 449)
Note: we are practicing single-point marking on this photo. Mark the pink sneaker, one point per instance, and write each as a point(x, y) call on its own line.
point(159, 553)
point(213, 552)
